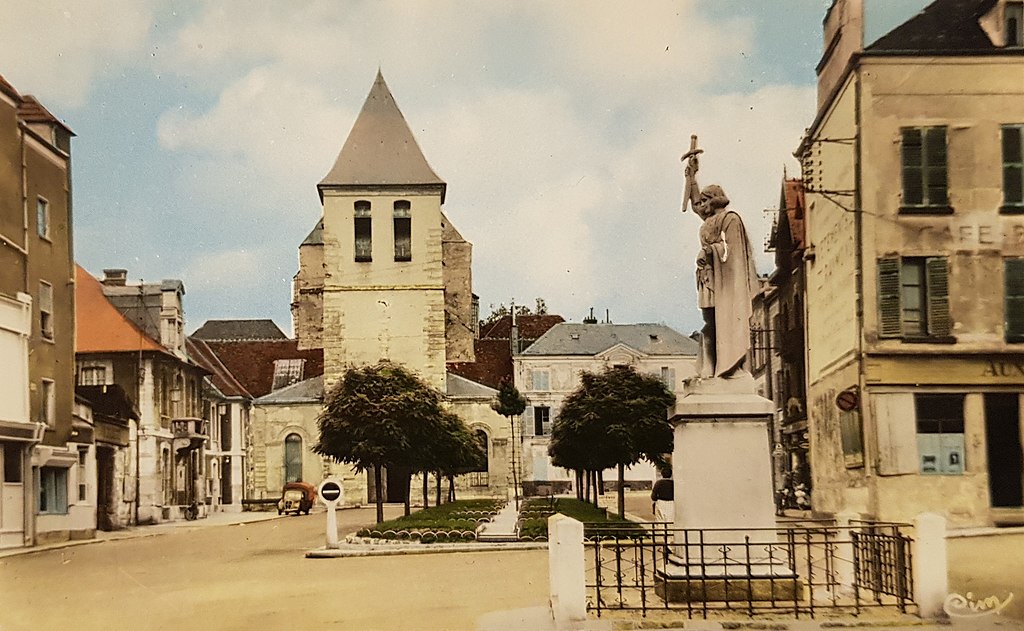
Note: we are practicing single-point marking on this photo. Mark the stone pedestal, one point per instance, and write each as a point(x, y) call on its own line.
point(721, 467)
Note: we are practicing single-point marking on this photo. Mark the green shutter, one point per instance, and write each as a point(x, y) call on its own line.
point(1013, 166)
point(889, 320)
point(940, 324)
point(913, 162)
point(1014, 300)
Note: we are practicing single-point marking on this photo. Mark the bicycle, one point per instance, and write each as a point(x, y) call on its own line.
point(191, 511)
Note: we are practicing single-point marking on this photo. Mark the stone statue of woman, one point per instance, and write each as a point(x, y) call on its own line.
point(726, 279)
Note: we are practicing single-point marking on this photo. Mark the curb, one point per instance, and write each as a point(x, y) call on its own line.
point(363, 550)
point(134, 532)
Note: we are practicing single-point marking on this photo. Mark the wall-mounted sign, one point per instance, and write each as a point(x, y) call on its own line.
point(848, 399)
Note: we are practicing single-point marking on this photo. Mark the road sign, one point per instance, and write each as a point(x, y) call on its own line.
point(848, 399)
point(330, 491)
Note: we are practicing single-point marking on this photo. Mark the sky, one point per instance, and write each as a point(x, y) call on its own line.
point(202, 129)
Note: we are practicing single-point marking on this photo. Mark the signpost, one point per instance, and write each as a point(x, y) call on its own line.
point(331, 493)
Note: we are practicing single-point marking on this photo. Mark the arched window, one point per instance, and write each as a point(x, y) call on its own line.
point(292, 458)
point(363, 232)
point(478, 475)
point(402, 219)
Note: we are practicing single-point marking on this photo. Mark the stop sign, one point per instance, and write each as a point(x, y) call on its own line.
point(330, 491)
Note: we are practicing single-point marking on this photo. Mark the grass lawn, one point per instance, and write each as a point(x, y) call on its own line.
point(458, 516)
point(535, 513)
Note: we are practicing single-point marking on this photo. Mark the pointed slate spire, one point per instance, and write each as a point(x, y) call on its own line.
point(381, 149)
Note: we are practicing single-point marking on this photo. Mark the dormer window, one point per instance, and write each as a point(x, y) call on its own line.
point(1014, 24)
point(363, 232)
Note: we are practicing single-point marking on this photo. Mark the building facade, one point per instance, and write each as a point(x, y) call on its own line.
point(42, 455)
point(914, 265)
point(549, 370)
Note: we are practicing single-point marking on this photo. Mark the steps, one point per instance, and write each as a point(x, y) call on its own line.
point(503, 527)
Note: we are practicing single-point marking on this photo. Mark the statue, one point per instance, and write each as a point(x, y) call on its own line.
point(726, 279)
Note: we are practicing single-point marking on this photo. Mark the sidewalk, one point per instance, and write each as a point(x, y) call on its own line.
point(134, 532)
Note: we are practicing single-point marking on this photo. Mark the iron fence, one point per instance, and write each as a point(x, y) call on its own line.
point(799, 568)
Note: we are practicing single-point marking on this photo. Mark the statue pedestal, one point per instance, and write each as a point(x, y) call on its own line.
point(726, 546)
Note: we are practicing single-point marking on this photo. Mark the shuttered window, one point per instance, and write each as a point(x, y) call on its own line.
point(913, 297)
point(1014, 308)
point(924, 178)
point(363, 232)
point(1013, 168)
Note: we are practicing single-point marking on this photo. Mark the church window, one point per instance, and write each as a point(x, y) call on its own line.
point(293, 458)
point(403, 231)
point(363, 232)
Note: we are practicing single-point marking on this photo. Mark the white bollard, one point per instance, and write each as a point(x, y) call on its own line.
point(332, 526)
point(931, 566)
point(566, 571)
point(844, 551)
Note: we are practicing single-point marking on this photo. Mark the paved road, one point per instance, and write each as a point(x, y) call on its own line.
point(254, 576)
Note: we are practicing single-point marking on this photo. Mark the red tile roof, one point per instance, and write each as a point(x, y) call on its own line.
point(252, 362)
point(794, 192)
point(100, 327)
point(200, 352)
point(530, 327)
point(32, 111)
point(493, 363)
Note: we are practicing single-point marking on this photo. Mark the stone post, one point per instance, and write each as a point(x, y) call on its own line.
point(566, 571)
point(844, 551)
point(931, 569)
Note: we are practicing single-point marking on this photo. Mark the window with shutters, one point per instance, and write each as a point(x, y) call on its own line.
point(363, 232)
point(1013, 169)
point(913, 299)
point(46, 310)
point(541, 421)
point(940, 433)
point(402, 221)
point(1014, 301)
point(923, 152)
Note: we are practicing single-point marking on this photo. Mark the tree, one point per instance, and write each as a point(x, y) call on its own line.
point(614, 418)
point(511, 404)
point(540, 308)
point(457, 451)
point(379, 416)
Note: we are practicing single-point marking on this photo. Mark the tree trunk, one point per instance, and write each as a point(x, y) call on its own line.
point(378, 492)
point(408, 493)
point(600, 482)
point(426, 492)
point(438, 480)
point(451, 488)
point(586, 486)
point(579, 484)
point(622, 491)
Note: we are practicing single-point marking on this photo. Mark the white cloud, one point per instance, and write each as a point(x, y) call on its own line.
point(56, 48)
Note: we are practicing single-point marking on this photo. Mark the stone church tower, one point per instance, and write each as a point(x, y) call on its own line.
point(384, 274)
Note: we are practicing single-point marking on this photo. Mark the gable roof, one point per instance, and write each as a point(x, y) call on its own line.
point(459, 386)
point(100, 327)
point(307, 391)
point(570, 338)
point(200, 352)
point(530, 327)
point(380, 149)
point(237, 330)
point(252, 362)
point(942, 26)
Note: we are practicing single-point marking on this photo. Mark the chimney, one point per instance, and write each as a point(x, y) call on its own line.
point(115, 277)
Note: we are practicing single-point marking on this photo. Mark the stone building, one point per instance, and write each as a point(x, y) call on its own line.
point(386, 275)
point(548, 370)
point(163, 470)
point(914, 264)
point(42, 456)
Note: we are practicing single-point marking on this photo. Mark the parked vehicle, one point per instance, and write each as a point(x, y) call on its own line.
point(297, 497)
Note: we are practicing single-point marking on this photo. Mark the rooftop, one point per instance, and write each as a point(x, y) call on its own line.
point(571, 338)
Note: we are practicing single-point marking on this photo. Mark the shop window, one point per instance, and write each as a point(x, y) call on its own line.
point(1014, 299)
point(363, 232)
point(940, 433)
point(913, 298)
point(1013, 169)
point(53, 490)
point(402, 221)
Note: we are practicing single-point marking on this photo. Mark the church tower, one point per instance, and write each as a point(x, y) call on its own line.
point(384, 275)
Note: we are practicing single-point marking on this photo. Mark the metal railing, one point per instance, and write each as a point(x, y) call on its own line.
point(800, 569)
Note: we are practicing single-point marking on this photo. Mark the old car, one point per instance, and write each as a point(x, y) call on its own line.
point(296, 497)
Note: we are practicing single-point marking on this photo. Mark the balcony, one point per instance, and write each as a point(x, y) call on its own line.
point(189, 433)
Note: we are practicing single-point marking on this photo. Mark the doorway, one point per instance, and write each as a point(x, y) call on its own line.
point(1005, 456)
point(106, 509)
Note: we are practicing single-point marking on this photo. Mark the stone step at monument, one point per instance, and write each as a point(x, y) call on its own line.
point(502, 527)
